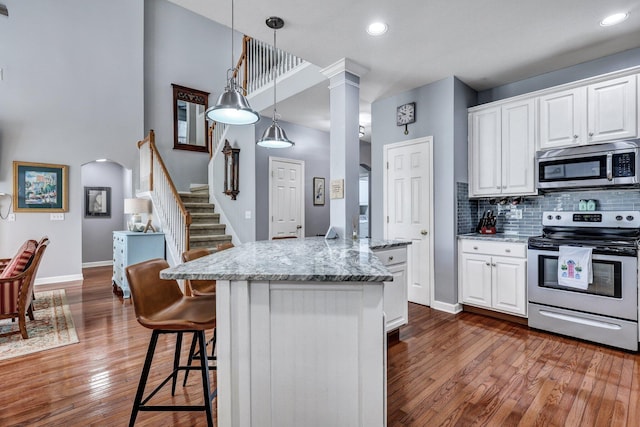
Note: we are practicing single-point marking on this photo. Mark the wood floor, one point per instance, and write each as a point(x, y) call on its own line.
point(446, 370)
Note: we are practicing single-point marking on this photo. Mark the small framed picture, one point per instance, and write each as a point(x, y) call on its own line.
point(318, 191)
point(97, 202)
point(40, 187)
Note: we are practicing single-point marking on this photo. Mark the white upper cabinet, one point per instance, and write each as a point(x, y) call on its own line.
point(599, 112)
point(562, 118)
point(612, 110)
point(502, 149)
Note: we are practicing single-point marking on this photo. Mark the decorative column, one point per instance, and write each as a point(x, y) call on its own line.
point(344, 156)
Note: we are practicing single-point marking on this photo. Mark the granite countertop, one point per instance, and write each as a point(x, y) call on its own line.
point(308, 259)
point(498, 237)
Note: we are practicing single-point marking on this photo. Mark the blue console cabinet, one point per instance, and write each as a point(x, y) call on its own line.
point(130, 247)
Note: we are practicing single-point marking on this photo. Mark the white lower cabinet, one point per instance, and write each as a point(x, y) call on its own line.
point(493, 275)
point(396, 306)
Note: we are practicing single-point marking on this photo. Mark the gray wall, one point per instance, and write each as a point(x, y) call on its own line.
point(607, 64)
point(242, 137)
point(97, 244)
point(72, 93)
point(441, 113)
point(184, 48)
point(312, 146)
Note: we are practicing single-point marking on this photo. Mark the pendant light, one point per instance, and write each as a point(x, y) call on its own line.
point(232, 107)
point(274, 136)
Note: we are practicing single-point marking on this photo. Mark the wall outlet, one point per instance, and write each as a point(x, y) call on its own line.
point(247, 214)
point(56, 217)
point(516, 214)
point(11, 217)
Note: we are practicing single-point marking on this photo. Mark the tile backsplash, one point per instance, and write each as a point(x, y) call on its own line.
point(470, 210)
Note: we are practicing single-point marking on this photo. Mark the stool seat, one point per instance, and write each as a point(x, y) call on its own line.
point(187, 314)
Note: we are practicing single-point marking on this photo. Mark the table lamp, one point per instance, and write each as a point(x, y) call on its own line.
point(135, 207)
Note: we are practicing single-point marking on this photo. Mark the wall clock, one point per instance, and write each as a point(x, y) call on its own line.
point(406, 114)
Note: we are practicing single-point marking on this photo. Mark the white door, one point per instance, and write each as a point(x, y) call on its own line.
point(286, 198)
point(518, 148)
point(408, 205)
point(475, 275)
point(484, 152)
point(509, 284)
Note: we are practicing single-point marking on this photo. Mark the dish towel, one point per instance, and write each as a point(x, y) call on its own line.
point(574, 267)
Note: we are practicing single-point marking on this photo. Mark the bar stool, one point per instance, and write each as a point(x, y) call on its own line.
point(160, 306)
point(199, 288)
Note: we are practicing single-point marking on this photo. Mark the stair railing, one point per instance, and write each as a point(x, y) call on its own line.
point(155, 179)
point(256, 60)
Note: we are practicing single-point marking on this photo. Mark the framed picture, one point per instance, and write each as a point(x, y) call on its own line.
point(97, 202)
point(40, 187)
point(318, 191)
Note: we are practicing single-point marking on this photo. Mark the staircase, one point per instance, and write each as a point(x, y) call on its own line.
point(205, 230)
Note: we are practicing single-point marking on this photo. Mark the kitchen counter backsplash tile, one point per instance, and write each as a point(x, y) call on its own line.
point(470, 210)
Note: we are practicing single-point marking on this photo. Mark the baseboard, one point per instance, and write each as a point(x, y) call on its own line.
point(58, 279)
point(97, 264)
point(447, 307)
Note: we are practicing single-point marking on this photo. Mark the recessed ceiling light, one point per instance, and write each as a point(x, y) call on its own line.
point(377, 28)
point(614, 19)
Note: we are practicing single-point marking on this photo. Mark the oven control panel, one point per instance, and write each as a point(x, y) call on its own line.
point(615, 219)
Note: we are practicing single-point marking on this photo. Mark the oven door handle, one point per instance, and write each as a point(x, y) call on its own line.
point(610, 166)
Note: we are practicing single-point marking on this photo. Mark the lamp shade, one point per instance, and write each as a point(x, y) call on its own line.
point(232, 108)
point(275, 137)
point(137, 206)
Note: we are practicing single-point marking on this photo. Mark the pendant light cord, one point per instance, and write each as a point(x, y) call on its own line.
point(273, 74)
point(232, 29)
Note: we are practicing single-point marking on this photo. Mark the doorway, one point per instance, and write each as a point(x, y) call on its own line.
point(286, 198)
point(408, 209)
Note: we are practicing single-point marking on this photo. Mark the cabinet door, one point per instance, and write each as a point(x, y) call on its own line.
point(562, 118)
point(484, 152)
point(476, 279)
point(509, 285)
point(612, 109)
point(518, 148)
point(396, 307)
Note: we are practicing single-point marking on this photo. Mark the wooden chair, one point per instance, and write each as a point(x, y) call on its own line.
point(16, 290)
point(160, 306)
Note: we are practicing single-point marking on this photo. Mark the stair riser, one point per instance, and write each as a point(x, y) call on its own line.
point(210, 243)
point(194, 198)
point(203, 209)
point(209, 219)
point(217, 231)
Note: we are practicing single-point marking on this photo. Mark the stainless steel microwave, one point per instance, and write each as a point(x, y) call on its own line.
point(588, 166)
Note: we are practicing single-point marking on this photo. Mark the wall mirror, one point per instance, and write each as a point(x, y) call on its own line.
point(231, 170)
point(189, 124)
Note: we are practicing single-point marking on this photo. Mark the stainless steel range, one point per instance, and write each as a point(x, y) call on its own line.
point(607, 310)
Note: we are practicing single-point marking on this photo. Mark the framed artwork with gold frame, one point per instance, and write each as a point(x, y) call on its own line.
point(40, 187)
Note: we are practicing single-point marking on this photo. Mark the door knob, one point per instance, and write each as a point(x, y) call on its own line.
point(424, 232)
point(298, 227)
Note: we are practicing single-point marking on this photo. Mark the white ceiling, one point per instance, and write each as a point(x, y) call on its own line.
point(485, 43)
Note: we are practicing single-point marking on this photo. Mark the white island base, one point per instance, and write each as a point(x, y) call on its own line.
point(301, 354)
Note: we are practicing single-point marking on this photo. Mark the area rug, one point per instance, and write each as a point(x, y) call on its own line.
point(53, 327)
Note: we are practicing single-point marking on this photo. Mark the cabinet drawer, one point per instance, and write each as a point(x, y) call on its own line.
point(392, 256)
point(494, 248)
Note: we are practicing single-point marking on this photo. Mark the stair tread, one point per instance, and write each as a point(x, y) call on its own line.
point(208, 225)
point(210, 237)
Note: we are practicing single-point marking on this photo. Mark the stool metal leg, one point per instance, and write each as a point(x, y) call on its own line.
point(176, 363)
point(206, 386)
point(143, 377)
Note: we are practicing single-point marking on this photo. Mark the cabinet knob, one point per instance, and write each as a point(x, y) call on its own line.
point(488, 263)
point(424, 232)
point(475, 248)
point(507, 250)
point(575, 136)
point(590, 133)
point(493, 264)
point(498, 187)
point(391, 258)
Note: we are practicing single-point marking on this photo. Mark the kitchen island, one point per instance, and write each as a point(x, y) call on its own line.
point(301, 332)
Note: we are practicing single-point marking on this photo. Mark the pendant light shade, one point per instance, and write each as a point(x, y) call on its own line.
point(274, 136)
point(232, 107)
